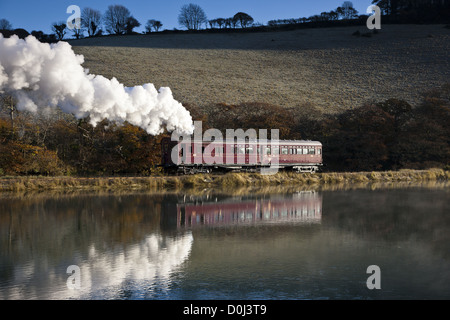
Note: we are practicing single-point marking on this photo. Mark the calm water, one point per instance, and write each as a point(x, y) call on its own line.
point(262, 245)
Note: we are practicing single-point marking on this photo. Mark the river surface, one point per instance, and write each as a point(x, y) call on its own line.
point(260, 244)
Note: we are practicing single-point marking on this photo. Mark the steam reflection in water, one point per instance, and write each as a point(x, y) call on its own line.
point(121, 243)
point(112, 239)
point(212, 245)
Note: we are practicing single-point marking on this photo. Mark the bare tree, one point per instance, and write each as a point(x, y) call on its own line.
point(153, 24)
point(389, 7)
point(91, 20)
point(234, 22)
point(157, 25)
point(333, 15)
point(192, 16)
point(149, 25)
point(130, 24)
point(244, 19)
point(347, 11)
point(78, 33)
point(220, 22)
point(5, 25)
point(228, 22)
point(212, 23)
point(59, 28)
point(9, 105)
point(115, 19)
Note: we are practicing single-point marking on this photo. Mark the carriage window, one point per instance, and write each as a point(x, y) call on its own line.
point(311, 151)
point(241, 150)
point(267, 150)
point(276, 150)
point(319, 151)
point(305, 151)
point(249, 150)
point(284, 150)
point(299, 150)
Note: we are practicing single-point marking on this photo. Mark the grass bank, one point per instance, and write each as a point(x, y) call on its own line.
point(203, 69)
point(230, 180)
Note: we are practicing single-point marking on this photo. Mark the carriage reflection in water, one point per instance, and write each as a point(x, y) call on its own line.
point(301, 207)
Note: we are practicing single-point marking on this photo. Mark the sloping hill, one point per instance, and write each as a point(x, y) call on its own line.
point(329, 68)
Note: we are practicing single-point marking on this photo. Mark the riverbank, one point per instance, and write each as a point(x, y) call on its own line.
point(229, 180)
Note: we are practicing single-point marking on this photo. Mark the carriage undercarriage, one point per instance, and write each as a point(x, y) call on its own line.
point(194, 169)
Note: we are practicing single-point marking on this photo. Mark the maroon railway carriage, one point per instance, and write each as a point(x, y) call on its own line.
point(200, 156)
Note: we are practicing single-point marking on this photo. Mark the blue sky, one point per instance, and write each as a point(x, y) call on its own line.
point(39, 15)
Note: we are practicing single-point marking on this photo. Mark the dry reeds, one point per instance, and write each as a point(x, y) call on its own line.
point(231, 180)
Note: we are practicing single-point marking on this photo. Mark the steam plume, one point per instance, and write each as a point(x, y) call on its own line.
point(40, 75)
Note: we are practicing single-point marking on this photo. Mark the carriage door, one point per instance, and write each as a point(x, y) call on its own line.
point(247, 153)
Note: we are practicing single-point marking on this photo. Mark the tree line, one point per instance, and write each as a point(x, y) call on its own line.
point(387, 135)
point(117, 19)
point(345, 11)
point(393, 11)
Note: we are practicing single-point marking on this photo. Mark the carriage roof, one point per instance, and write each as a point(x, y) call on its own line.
point(268, 142)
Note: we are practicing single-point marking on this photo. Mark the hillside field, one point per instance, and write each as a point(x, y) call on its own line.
point(328, 68)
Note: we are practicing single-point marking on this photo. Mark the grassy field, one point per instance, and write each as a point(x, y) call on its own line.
point(229, 180)
point(327, 67)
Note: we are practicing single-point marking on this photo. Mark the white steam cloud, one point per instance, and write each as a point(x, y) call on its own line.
point(39, 75)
